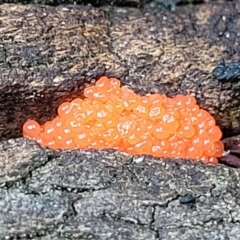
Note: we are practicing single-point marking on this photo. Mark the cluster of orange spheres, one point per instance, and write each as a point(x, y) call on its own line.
point(111, 116)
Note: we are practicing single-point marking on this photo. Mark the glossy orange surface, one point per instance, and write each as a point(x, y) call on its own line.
point(116, 117)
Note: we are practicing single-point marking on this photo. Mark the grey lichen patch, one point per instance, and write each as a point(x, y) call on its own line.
point(18, 157)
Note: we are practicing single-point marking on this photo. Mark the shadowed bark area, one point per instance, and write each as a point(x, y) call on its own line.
point(48, 55)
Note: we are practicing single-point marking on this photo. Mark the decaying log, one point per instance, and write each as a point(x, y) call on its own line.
point(170, 4)
point(49, 54)
point(96, 3)
point(112, 195)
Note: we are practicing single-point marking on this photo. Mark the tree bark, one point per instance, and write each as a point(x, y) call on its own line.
point(48, 55)
point(96, 3)
point(112, 195)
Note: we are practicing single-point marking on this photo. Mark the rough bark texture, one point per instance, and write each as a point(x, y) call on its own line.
point(47, 55)
point(126, 3)
point(111, 195)
point(170, 4)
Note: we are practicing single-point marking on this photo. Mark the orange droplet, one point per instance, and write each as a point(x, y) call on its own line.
point(39, 139)
point(77, 102)
point(170, 122)
point(212, 160)
point(131, 150)
point(49, 130)
point(31, 128)
point(66, 132)
point(207, 144)
point(136, 136)
point(115, 83)
point(63, 109)
point(180, 101)
point(89, 111)
point(129, 98)
point(185, 130)
point(76, 105)
point(97, 143)
point(51, 144)
point(102, 113)
point(101, 96)
point(168, 118)
point(109, 105)
point(156, 99)
point(74, 125)
point(57, 122)
point(85, 114)
point(169, 103)
point(190, 101)
point(115, 94)
point(183, 144)
point(202, 115)
point(97, 128)
point(111, 135)
point(140, 108)
point(68, 143)
point(59, 140)
point(211, 151)
point(145, 146)
point(118, 106)
point(156, 150)
point(126, 126)
point(209, 122)
point(156, 112)
point(219, 146)
point(159, 132)
point(215, 133)
point(83, 139)
point(103, 84)
point(89, 91)
point(174, 112)
point(196, 142)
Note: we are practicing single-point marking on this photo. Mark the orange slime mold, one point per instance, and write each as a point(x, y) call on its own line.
point(116, 117)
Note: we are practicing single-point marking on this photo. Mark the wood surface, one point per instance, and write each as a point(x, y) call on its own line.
point(95, 3)
point(48, 55)
point(112, 195)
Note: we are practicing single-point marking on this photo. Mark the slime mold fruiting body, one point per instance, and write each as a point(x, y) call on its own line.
point(111, 116)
